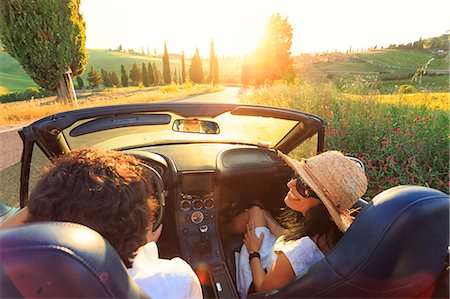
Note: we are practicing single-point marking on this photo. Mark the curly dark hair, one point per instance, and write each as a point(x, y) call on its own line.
point(105, 190)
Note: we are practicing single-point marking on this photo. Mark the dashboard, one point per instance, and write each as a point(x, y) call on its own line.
point(202, 183)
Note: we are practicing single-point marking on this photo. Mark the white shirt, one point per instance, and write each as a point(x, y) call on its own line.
point(301, 253)
point(162, 278)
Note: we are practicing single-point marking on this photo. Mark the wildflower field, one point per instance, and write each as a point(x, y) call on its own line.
point(402, 139)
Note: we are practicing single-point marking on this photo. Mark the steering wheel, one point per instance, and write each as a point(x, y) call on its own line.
point(160, 196)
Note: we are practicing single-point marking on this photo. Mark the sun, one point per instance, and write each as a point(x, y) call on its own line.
point(234, 26)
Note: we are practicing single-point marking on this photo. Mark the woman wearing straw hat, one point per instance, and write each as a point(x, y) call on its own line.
point(326, 188)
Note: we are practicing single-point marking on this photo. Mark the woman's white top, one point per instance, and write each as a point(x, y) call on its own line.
point(301, 253)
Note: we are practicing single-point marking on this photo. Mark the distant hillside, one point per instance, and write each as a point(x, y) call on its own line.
point(14, 78)
point(391, 63)
point(385, 69)
point(387, 60)
point(433, 43)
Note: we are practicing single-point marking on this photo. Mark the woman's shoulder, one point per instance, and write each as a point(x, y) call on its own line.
point(301, 253)
point(298, 244)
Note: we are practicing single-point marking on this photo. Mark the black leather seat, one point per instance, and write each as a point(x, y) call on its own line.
point(61, 260)
point(396, 248)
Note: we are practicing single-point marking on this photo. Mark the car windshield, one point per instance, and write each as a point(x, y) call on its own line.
point(256, 130)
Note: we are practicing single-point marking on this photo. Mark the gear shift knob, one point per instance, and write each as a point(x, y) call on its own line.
point(203, 228)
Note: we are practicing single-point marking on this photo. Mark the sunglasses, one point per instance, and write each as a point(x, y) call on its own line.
point(303, 189)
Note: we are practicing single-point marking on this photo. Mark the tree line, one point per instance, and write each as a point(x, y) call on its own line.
point(48, 39)
point(148, 74)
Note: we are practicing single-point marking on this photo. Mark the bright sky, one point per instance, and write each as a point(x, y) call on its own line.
point(236, 26)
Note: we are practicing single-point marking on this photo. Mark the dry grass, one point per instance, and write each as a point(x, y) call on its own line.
point(431, 100)
point(28, 111)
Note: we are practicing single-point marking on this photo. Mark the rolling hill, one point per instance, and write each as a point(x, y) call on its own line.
point(397, 63)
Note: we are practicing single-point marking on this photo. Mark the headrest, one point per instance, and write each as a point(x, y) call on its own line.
point(61, 260)
point(395, 248)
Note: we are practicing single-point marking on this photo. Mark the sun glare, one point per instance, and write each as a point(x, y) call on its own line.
point(236, 26)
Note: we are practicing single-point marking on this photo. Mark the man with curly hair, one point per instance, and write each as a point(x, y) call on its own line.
point(111, 193)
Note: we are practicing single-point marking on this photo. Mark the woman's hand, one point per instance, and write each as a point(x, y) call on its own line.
point(251, 241)
point(153, 236)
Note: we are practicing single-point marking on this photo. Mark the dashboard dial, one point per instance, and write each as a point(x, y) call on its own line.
point(185, 205)
point(209, 203)
point(197, 204)
point(197, 217)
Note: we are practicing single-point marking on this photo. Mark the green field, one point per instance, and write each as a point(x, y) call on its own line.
point(397, 66)
point(393, 61)
point(13, 78)
point(382, 71)
point(12, 75)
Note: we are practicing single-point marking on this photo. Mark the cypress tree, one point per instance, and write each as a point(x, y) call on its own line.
point(80, 83)
point(145, 81)
point(151, 76)
point(245, 71)
point(94, 78)
point(48, 39)
point(106, 78)
point(212, 57)
point(175, 77)
point(166, 65)
point(103, 74)
point(156, 74)
point(114, 78)
point(123, 76)
point(215, 78)
point(196, 68)
point(135, 75)
point(183, 69)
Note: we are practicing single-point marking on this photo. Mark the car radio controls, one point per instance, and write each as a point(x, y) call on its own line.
point(197, 217)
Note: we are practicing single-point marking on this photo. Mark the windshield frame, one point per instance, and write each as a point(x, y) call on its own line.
point(47, 132)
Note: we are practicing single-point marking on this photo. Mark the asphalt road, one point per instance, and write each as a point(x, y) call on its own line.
point(11, 144)
point(11, 147)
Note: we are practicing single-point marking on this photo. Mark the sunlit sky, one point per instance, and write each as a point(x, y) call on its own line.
point(236, 26)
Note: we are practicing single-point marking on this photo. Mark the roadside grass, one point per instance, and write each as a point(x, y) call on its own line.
point(402, 139)
point(28, 111)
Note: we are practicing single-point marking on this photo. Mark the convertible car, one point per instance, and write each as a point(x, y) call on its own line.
point(210, 161)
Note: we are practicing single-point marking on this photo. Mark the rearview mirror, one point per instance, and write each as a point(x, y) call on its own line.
point(193, 125)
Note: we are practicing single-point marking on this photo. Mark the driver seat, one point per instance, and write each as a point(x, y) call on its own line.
point(396, 248)
point(61, 260)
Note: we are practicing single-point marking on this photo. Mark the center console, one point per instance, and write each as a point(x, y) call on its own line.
point(198, 233)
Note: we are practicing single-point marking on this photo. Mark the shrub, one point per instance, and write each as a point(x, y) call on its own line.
point(169, 88)
point(406, 89)
point(28, 94)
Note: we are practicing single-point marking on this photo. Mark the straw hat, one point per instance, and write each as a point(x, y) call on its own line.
point(337, 181)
